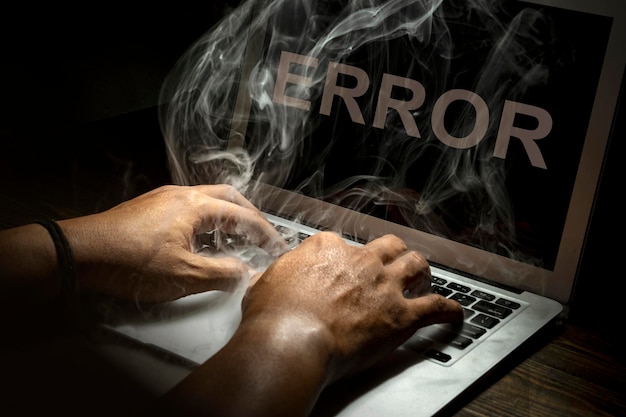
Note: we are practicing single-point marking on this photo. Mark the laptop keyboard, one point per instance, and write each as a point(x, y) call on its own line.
point(486, 310)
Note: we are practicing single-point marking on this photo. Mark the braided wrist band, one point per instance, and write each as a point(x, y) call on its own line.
point(65, 261)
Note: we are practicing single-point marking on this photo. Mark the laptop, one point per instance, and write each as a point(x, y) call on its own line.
point(475, 131)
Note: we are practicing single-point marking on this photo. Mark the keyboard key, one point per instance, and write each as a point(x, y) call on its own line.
point(492, 309)
point(508, 303)
point(468, 313)
point(485, 321)
point(436, 289)
point(438, 281)
point(440, 356)
point(283, 230)
point(449, 335)
point(483, 295)
point(458, 287)
point(463, 299)
point(472, 331)
point(461, 342)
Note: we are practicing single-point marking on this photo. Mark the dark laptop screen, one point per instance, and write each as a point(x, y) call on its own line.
point(463, 121)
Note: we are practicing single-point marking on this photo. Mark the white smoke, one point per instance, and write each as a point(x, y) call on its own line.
point(217, 99)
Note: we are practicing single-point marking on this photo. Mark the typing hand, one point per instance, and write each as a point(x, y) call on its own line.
point(146, 249)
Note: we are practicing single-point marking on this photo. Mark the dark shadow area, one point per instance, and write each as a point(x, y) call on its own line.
point(79, 129)
point(82, 169)
point(596, 302)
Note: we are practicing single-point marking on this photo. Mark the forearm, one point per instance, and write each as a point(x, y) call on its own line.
point(265, 370)
point(28, 264)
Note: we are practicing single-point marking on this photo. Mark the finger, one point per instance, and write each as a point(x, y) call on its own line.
point(387, 247)
point(254, 278)
point(207, 274)
point(226, 193)
point(434, 308)
point(414, 271)
point(259, 231)
point(237, 219)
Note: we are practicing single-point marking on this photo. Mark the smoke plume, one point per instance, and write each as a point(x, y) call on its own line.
point(426, 112)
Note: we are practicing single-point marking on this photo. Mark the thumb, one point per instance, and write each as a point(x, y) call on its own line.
point(216, 273)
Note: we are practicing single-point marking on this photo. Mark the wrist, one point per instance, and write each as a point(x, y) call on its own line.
point(28, 263)
point(290, 334)
point(290, 360)
point(87, 249)
point(65, 267)
point(279, 363)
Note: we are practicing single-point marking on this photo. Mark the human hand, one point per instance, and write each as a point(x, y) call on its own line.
point(363, 302)
point(321, 312)
point(145, 249)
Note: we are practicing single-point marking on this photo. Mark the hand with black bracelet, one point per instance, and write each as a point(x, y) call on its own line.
point(144, 249)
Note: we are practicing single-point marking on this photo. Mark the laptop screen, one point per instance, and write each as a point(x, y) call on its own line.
point(474, 124)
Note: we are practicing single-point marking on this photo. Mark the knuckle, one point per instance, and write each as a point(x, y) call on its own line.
point(418, 262)
point(329, 236)
point(168, 188)
point(397, 242)
point(227, 191)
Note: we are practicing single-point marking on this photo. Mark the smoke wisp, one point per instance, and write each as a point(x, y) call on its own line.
point(439, 115)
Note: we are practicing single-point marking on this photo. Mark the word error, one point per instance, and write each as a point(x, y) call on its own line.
point(286, 79)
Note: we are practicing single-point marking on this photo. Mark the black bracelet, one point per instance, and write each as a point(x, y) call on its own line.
point(65, 260)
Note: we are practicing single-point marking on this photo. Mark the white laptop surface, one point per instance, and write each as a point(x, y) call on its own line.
point(476, 132)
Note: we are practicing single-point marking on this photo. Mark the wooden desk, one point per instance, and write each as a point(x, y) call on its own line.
point(579, 372)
